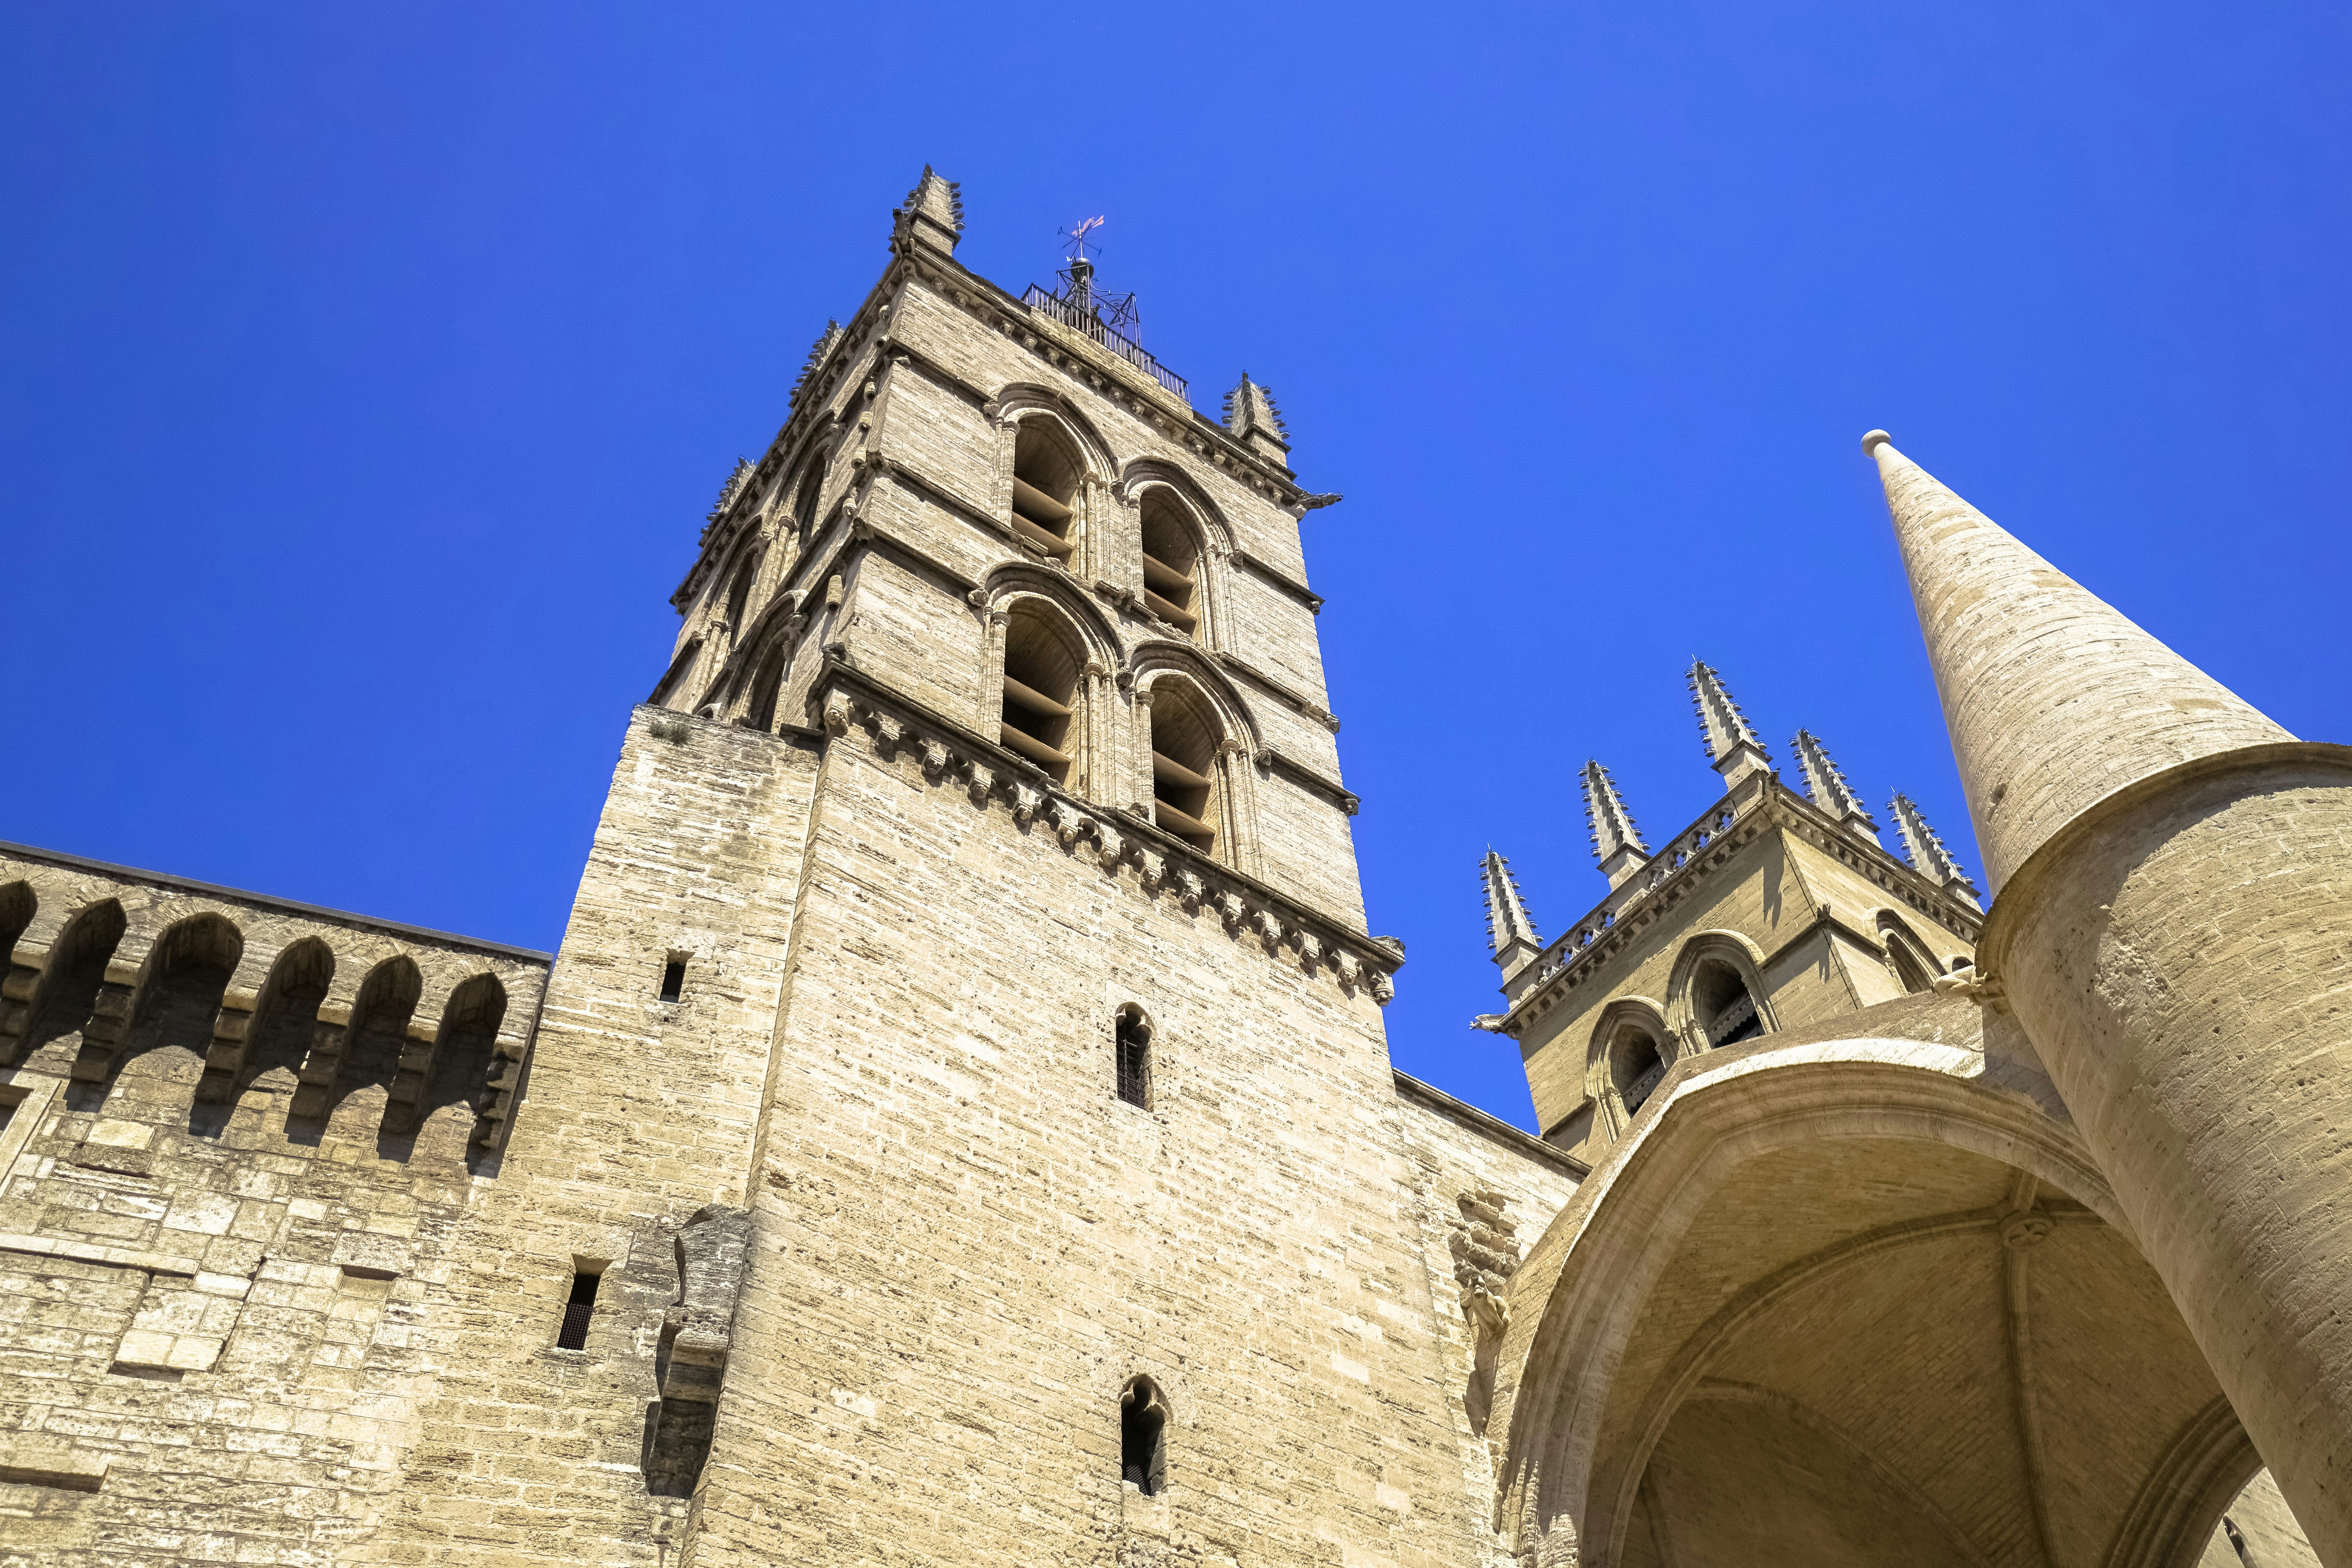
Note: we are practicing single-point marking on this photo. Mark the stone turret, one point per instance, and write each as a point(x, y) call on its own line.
point(2167, 932)
point(1509, 928)
point(1923, 848)
point(1615, 843)
point(1827, 786)
point(1730, 738)
point(1250, 415)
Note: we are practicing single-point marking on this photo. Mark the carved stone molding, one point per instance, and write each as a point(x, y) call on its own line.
point(1163, 864)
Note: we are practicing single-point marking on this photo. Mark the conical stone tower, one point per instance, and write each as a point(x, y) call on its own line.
point(2171, 931)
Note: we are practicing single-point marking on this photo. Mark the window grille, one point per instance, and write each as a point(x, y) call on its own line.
point(1134, 1048)
point(577, 1311)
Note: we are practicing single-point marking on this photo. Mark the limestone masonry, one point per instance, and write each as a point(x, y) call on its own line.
point(957, 1127)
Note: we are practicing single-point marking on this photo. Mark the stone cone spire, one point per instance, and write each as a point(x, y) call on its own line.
point(1730, 738)
point(1509, 928)
point(1925, 849)
point(1250, 415)
point(933, 212)
point(1615, 843)
point(1827, 786)
point(2055, 699)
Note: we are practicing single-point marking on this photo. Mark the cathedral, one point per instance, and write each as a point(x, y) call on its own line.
point(957, 1127)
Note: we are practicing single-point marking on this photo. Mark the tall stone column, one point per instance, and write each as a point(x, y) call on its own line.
point(2172, 926)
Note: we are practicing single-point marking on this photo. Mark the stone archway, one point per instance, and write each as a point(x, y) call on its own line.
point(1846, 1303)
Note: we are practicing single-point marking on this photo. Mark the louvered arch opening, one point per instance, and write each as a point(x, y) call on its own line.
point(1042, 662)
point(1171, 562)
point(1185, 740)
point(1725, 1008)
point(1045, 475)
point(1636, 1065)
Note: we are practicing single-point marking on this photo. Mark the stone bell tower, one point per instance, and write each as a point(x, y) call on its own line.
point(964, 1124)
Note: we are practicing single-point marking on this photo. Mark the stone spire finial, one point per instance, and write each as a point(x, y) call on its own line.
point(1826, 784)
point(1615, 843)
point(1510, 930)
point(1731, 741)
point(1250, 415)
point(2053, 699)
point(933, 213)
point(1928, 854)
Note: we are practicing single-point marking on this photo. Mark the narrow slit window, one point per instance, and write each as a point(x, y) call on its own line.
point(1143, 1438)
point(1133, 1037)
point(578, 1311)
point(673, 979)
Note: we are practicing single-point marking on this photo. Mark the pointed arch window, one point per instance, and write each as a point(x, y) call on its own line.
point(1912, 964)
point(804, 502)
point(739, 596)
point(1636, 1065)
point(1171, 562)
point(1045, 475)
point(1185, 742)
point(1722, 1003)
point(1043, 664)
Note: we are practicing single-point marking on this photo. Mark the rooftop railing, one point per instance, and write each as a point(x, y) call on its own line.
point(1085, 319)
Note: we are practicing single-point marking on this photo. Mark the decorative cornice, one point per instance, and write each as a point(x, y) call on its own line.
point(1763, 803)
point(1164, 866)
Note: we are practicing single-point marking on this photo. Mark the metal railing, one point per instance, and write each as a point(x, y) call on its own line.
point(1085, 320)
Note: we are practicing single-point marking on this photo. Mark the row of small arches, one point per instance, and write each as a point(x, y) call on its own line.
point(177, 1021)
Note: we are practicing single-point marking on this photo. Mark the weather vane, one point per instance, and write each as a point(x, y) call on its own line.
point(1077, 235)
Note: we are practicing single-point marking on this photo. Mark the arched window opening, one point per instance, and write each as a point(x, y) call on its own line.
point(1913, 966)
point(1131, 1038)
point(1185, 737)
point(764, 690)
point(804, 503)
point(1171, 563)
point(1635, 1066)
point(1721, 1000)
point(1143, 1438)
point(1041, 667)
point(739, 595)
point(1045, 483)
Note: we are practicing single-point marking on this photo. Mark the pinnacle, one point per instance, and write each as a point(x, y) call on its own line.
point(1826, 782)
point(939, 199)
point(2055, 699)
point(1251, 408)
point(1731, 741)
point(1926, 851)
point(1509, 925)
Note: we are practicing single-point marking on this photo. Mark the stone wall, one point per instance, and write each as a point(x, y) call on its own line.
point(239, 1141)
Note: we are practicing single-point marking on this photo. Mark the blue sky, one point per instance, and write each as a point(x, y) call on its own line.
point(369, 370)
